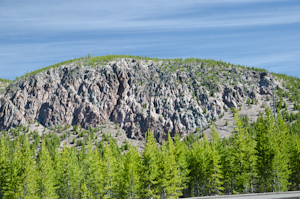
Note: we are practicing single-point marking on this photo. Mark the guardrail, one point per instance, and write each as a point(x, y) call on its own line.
point(269, 195)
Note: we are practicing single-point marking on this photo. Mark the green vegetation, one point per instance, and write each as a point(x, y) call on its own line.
point(97, 61)
point(261, 157)
point(86, 61)
point(5, 81)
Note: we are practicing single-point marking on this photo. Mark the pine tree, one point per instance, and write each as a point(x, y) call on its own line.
point(181, 155)
point(264, 151)
point(271, 154)
point(4, 165)
point(150, 174)
point(21, 181)
point(131, 185)
point(281, 143)
point(250, 159)
point(295, 162)
point(109, 169)
point(84, 192)
point(45, 174)
point(171, 180)
point(215, 167)
point(68, 174)
point(227, 167)
point(92, 171)
point(29, 172)
point(243, 158)
point(13, 188)
point(198, 160)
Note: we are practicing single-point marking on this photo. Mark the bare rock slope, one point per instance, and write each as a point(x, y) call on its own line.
point(183, 97)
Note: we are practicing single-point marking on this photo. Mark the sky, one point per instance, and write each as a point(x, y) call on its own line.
point(260, 33)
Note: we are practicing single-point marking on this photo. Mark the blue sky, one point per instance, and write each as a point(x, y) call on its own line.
point(260, 33)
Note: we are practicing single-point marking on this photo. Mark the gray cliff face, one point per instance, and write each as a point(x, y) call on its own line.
point(185, 97)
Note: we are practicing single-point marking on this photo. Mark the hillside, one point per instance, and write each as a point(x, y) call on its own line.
point(78, 129)
point(186, 96)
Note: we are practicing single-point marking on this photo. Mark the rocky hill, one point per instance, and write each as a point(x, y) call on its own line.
point(183, 96)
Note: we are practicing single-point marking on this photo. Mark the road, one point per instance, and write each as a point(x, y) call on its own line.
point(282, 195)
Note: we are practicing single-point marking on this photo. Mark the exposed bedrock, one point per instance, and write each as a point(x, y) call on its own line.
point(119, 91)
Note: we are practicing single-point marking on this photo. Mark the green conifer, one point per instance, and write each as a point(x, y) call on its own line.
point(131, 184)
point(150, 174)
point(227, 167)
point(84, 192)
point(29, 172)
point(92, 171)
point(68, 174)
point(271, 154)
point(243, 152)
point(109, 169)
point(181, 155)
point(295, 162)
point(171, 179)
point(4, 165)
point(215, 166)
point(45, 174)
point(13, 188)
point(198, 160)
point(281, 143)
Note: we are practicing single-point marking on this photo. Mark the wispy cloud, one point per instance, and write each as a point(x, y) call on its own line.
point(38, 33)
point(114, 15)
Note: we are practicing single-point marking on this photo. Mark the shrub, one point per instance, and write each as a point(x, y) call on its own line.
point(248, 102)
point(295, 106)
point(75, 128)
point(79, 143)
point(285, 106)
point(63, 136)
point(105, 137)
point(81, 134)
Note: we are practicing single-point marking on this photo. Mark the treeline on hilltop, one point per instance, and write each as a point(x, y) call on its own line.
point(264, 157)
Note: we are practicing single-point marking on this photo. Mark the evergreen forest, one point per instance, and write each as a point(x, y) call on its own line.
point(261, 157)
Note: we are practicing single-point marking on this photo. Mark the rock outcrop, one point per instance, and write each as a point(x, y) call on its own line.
point(185, 97)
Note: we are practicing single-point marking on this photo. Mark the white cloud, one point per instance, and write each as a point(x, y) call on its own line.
point(60, 16)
